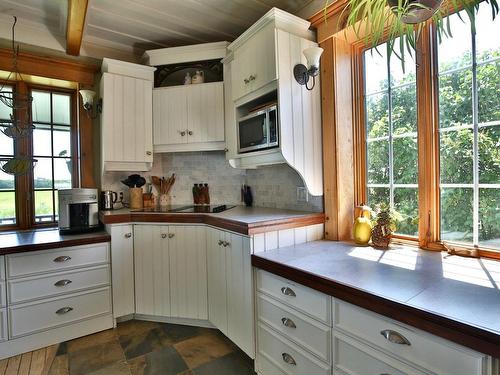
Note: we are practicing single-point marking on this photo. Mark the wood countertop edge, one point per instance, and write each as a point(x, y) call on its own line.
point(473, 337)
point(54, 244)
point(219, 222)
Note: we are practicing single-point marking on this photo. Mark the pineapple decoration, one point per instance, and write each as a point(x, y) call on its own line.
point(385, 225)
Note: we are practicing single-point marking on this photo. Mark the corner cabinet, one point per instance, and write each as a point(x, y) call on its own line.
point(189, 118)
point(126, 122)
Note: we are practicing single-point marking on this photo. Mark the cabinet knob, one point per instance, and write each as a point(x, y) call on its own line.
point(287, 358)
point(287, 322)
point(221, 242)
point(190, 132)
point(163, 235)
point(395, 337)
point(149, 153)
point(62, 282)
point(61, 259)
point(64, 310)
point(128, 235)
point(171, 235)
point(226, 149)
point(252, 78)
point(247, 81)
point(182, 133)
point(288, 291)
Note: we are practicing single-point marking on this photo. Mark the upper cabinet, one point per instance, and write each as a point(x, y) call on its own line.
point(188, 117)
point(259, 70)
point(126, 123)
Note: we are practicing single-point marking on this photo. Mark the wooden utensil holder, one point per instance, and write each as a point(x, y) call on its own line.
point(136, 198)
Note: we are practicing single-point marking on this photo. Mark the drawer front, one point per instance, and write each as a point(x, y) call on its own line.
point(287, 356)
point(263, 366)
point(354, 358)
point(3, 294)
point(3, 325)
point(37, 287)
point(421, 348)
point(56, 260)
point(303, 330)
point(35, 317)
point(306, 300)
point(2, 268)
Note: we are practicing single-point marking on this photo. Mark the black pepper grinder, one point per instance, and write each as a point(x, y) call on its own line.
point(246, 192)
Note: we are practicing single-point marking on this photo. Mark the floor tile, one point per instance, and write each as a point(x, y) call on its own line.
point(95, 357)
point(91, 340)
point(231, 364)
point(163, 362)
point(119, 368)
point(60, 365)
point(204, 348)
point(138, 344)
point(62, 349)
point(132, 327)
point(179, 332)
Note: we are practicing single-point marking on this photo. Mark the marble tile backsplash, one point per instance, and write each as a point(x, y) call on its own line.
point(273, 186)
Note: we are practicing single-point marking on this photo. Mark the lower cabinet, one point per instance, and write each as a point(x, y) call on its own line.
point(3, 325)
point(230, 287)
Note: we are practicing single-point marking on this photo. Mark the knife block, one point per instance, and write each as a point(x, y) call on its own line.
point(136, 198)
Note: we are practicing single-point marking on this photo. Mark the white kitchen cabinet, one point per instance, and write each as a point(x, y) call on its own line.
point(122, 269)
point(189, 117)
point(216, 276)
point(3, 325)
point(152, 265)
point(254, 63)
point(126, 121)
point(188, 272)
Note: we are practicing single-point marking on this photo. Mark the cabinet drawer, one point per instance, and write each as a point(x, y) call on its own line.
point(56, 260)
point(353, 358)
point(308, 333)
point(40, 316)
point(3, 293)
point(37, 287)
point(287, 356)
point(422, 349)
point(308, 301)
point(3, 325)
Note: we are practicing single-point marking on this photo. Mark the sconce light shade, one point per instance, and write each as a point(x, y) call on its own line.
point(313, 55)
point(88, 99)
point(302, 73)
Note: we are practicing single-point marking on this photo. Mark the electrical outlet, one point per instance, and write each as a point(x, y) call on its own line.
point(302, 195)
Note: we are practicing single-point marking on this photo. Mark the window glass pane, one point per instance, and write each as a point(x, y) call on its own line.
point(6, 181)
point(456, 156)
point(62, 173)
point(5, 111)
point(455, 99)
point(398, 75)
point(489, 217)
point(56, 203)
point(61, 106)
point(43, 173)
point(42, 141)
point(378, 196)
point(62, 140)
point(376, 69)
point(378, 162)
point(487, 40)
point(6, 145)
point(489, 155)
point(41, 106)
point(404, 109)
point(406, 203)
point(7, 207)
point(377, 115)
point(456, 214)
point(405, 163)
point(44, 210)
point(488, 82)
point(455, 52)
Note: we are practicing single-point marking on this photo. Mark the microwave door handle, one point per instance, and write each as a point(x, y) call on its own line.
point(268, 129)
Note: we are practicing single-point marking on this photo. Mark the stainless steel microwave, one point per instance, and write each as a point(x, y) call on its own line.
point(258, 130)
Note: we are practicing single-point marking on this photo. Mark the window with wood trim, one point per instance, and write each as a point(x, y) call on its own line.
point(454, 107)
point(31, 200)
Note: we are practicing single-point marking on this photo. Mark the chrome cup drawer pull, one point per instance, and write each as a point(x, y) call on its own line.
point(288, 292)
point(395, 337)
point(63, 258)
point(287, 322)
point(64, 310)
point(287, 358)
point(62, 282)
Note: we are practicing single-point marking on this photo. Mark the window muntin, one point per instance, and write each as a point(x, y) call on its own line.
point(7, 181)
point(391, 135)
point(469, 132)
point(52, 147)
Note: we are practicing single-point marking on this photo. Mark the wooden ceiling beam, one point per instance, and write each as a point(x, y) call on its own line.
point(77, 10)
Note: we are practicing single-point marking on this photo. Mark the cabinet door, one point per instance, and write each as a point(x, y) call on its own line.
point(122, 269)
point(216, 269)
point(170, 115)
point(254, 63)
point(205, 112)
point(3, 325)
point(240, 300)
point(151, 255)
point(127, 119)
point(188, 272)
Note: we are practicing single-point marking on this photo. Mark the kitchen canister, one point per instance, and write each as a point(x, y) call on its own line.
point(136, 202)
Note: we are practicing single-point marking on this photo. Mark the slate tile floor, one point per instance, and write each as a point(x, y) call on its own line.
point(147, 348)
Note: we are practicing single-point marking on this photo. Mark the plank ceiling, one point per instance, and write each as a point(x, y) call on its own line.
point(126, 28)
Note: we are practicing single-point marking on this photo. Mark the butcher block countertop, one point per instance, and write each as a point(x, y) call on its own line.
point(449, 296)
point(43, 239)
point(239, 219)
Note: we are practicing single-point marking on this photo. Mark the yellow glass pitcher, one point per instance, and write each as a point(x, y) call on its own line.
point(363, 226)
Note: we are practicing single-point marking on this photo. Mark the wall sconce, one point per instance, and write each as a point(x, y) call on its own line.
point(88, 103)
point(303, 73)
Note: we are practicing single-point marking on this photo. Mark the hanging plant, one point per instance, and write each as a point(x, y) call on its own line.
point(377, 21)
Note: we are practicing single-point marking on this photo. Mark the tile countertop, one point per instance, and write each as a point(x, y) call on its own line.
point(240, 219)
point(43, 239)
point(453, 297)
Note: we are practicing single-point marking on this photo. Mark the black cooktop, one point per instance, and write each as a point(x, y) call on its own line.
point(189, 209)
